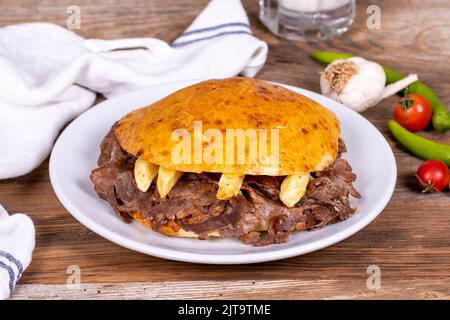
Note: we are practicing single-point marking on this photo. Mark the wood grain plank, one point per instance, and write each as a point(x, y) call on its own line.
point(209, 290)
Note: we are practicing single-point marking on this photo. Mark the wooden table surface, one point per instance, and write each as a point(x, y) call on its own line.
point(409, 241)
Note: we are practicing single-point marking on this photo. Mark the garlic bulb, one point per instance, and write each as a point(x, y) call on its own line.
point(359, 83)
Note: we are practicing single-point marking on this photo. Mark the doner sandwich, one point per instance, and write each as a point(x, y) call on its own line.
point(238, 158)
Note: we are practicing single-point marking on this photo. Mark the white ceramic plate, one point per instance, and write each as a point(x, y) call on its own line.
point(76, 152)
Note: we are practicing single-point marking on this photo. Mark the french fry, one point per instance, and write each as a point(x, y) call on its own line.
point(293, 188)
point(144, 173)
point(229, 186)
point(166, 180)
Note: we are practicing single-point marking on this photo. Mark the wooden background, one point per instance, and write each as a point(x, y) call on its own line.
point(409, 241)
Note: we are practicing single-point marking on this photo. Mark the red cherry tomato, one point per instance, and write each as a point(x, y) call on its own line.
point(432, 176)
point(413, 112)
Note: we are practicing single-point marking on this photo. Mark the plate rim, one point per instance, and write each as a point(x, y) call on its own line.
point(221, 259)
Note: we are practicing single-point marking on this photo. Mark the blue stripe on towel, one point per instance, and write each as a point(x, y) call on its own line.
point(12, 259)
point(184, 43)
point(11, 275)
point(230, 24)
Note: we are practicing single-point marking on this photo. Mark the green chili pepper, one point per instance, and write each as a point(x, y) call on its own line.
point(328, 57)
point(420, 146)
point(441, 116)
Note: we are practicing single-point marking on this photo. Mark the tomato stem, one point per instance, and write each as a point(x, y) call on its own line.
point(427, 187)
point(406, 101)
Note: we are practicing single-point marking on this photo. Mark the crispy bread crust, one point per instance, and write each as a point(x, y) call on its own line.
point(308, 132)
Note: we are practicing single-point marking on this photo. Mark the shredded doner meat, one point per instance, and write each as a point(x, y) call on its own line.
point(193, 206)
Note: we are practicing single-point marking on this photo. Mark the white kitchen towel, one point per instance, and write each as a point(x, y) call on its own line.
point(16, 248)
point(49, 75)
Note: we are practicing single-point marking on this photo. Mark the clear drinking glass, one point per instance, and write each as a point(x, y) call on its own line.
point(307, 20)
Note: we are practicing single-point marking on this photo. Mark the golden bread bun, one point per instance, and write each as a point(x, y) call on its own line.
point(308, 132)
